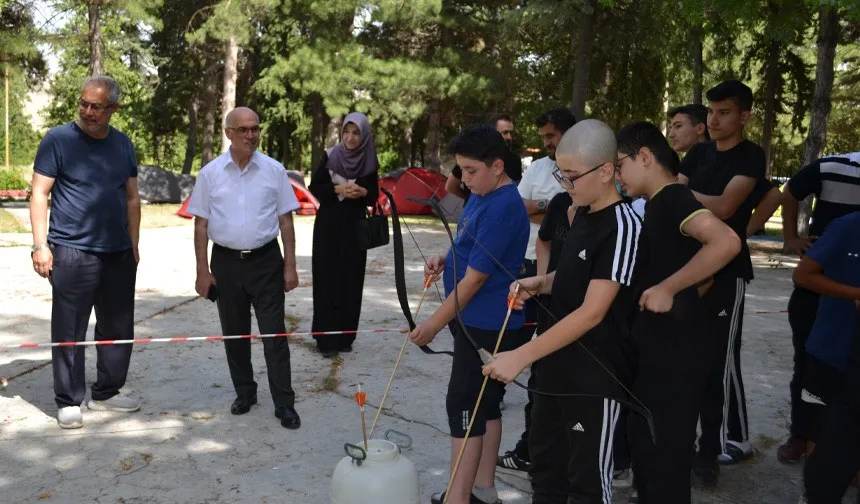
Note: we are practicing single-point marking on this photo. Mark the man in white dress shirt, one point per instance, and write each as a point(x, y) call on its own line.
point(242, 200)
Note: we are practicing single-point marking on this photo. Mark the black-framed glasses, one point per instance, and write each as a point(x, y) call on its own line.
point(568, 182)
point(618, 162)
point(96, 107)
point(244, 131)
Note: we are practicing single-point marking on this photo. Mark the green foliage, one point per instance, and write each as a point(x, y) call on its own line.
point(11, 180)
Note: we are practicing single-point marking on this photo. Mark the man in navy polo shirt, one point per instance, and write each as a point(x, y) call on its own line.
point(88, 251)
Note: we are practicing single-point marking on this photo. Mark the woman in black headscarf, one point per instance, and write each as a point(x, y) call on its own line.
point(345, 183)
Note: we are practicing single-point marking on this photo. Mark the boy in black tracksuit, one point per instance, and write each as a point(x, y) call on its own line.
point(571, 437)
point(682, 244)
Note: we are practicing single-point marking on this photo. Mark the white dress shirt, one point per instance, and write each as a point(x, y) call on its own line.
point(243, 206)
point(538, 184)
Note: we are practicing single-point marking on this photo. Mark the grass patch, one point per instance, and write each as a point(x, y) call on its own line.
point(9, 224)
point(160, 215)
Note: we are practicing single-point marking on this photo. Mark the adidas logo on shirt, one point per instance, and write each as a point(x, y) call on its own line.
point(578, 426)
point(582, 254)
point(723, 314)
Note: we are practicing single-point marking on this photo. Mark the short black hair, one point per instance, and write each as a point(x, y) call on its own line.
point(562, 118)
point(733, 90)
point(697, 113)
point(501, 117)
point(480, 142)
point(640, 134)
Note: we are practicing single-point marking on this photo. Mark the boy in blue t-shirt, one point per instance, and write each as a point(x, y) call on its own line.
point(831, 267)
point(494, 227)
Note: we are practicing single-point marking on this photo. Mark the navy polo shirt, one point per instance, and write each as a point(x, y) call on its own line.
point(89, 210)
point(838, 252)
point(500, 224)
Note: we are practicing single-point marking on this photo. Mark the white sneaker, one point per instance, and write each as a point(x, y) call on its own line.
point(119, 402)
point(622, 478)
point(70, 417)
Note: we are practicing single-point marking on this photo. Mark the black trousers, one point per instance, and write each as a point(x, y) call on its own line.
point(256, 280)
point(802, 308)
point(723, 412)
point(82, 281)
point(669, 381)
point(571, 449)
point(836, 458)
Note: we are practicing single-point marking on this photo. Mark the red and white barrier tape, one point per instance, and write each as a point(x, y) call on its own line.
point(183, 339)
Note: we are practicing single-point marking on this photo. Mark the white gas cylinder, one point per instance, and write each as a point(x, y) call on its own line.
point(384, 476)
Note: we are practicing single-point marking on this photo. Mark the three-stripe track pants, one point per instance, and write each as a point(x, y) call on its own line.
point(570, 444)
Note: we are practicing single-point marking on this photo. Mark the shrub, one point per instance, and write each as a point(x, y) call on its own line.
point(11, 180)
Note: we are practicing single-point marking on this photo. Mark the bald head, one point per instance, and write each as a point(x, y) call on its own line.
point(239, 113)
point(590, 142)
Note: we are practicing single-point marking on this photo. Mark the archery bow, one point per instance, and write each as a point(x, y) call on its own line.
point(638, 407)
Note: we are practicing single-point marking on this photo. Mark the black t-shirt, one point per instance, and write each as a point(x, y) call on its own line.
point(835, 182)
point(513, 168)
point(554, 226)
point(710, 171)
point(599, 246)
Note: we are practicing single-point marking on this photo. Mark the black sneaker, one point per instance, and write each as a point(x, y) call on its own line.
point(705, 476)
point(510, 460)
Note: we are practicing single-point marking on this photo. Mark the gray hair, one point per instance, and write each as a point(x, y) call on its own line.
point(591, 142)
point(106, 82)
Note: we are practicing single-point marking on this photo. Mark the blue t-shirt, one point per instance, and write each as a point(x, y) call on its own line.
point(500, 223)
point(838, 252)
point(89, 210)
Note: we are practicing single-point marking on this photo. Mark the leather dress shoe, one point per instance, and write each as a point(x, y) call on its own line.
point(288, 416)
point(243, 404)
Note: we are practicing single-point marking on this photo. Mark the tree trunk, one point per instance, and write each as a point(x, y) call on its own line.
point(228, 99)
point(771, 80)
point(697, 35)
point(587, 31)
point(95, 37)
point(332, 136)
point(191, 144)
point(317, 127)
point(828, 38)
point(432, 152)
point(211, 97)
point(406, 146)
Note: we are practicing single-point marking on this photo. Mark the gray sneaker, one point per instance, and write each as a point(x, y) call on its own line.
point(119, 402)
point(69, 417)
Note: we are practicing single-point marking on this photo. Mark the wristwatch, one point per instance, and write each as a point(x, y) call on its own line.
point(542, 205)
point(36, 248)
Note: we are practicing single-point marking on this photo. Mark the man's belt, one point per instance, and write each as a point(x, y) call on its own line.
point(245, 254)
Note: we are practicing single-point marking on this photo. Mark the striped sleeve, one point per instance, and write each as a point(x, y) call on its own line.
point(616, 256)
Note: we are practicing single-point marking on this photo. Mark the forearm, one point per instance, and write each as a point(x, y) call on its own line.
point(288, 238)
point(532, 206)
point(134, 221)
point(563, 333)
point(817, 282)
point(39, 218)
point(712, 203)
point(542, 250)
point(789, 215)
point(708, 260)
point(201, 244)
point(764, 211)
point(452, 185)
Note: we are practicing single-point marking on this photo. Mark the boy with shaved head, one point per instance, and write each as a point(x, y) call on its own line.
point(571, 439)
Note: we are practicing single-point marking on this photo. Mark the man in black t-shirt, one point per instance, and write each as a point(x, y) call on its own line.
point(722, 175)
point(504, 124)
point(570, 442)
point(835, 182)
point(681, 247)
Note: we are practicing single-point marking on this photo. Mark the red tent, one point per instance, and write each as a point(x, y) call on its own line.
point(411, 182)
point(308, 204)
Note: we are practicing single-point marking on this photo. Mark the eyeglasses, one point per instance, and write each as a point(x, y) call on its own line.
point(568, 182)
point(618, 162)
point(96, 107)
point(244, 131)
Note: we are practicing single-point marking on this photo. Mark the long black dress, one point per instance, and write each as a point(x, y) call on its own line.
point(338, 264)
